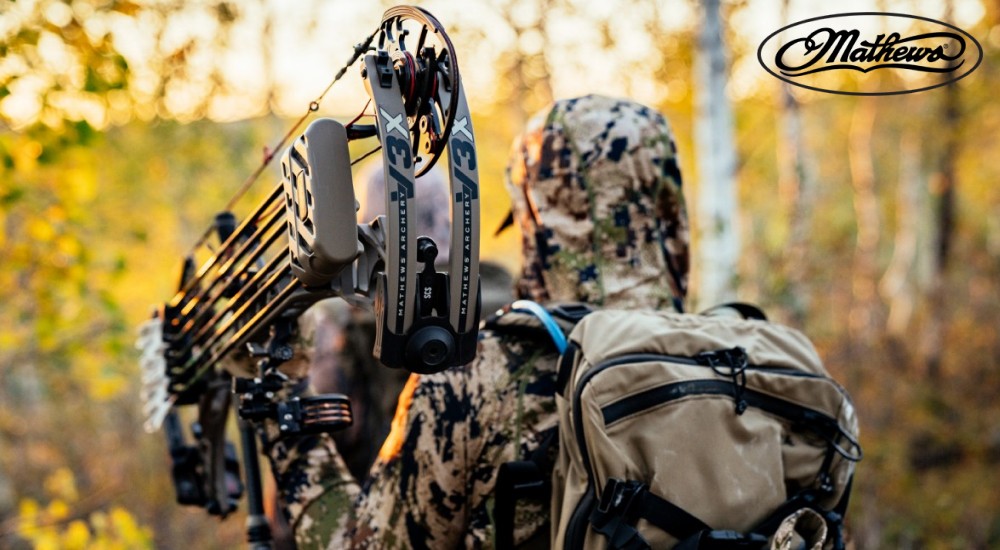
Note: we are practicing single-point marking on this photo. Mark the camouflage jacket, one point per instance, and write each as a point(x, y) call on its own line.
point(432, 483)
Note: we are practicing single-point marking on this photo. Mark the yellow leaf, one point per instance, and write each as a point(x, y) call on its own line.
point(128, 8)
point(57, 510)
point(62, 485)
point(107, 387)
point(77, 536)
point(67, 246)
point(128, 529)
point(82, 184)
point(47, 540)
point(25, 155)
point(41, 230)
point(28, 510)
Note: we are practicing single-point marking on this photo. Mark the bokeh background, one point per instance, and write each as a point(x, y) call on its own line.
point(872, 223)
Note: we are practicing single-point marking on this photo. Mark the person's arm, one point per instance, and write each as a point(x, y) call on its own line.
point(316, 488)
point(432, 485)
point(417, 493)
point(427, 488)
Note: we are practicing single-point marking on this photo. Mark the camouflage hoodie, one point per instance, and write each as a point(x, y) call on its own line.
point(596, 191)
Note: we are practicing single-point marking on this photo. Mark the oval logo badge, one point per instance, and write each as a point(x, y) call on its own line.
point(821, 53)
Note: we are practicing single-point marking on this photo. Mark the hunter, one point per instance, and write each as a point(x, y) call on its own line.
point(596, 191)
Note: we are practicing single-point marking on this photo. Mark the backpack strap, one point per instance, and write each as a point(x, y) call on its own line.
point(532, 320)
point(531, 478)
point(623, 503)
point(521, 479)
point(745, 310)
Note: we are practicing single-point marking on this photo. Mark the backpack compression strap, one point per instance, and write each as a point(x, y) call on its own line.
point(624, 503)
point(530, 479)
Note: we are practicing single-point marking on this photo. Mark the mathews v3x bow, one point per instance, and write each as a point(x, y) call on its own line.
point(301, 245)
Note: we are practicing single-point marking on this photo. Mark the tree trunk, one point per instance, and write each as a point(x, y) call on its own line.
point(897, 286)
point(944, 189)
point(797, 193)
point(864, 273)
point(796, 196)
point(719, 247)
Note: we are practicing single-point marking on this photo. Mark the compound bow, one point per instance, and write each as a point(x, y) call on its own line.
point(301, 245)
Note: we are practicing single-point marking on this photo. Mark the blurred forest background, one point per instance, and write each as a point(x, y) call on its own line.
point(873, 223)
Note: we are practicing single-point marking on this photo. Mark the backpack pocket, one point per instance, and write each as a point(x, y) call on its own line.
point(671, 446)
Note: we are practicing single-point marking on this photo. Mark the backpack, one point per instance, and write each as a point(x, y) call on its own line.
point(686, 431)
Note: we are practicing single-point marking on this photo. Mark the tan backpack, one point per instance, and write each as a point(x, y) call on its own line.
point(694, 431)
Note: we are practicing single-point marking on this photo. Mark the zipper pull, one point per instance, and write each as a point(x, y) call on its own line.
point(733, 363)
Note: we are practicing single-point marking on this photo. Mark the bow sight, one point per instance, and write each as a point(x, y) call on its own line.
point(301, 245)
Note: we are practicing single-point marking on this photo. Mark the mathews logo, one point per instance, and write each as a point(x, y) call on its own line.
point(816, 53)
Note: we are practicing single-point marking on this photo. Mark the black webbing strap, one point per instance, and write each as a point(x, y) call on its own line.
point(669, 517)
point(529, 479)
point(623, 503)
point(515, 480)
point(747, 311)
point(835, 518)
point(565, 367)
point(809, 498)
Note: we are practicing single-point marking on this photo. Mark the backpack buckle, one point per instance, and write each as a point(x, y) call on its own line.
point(618, 495)
point(617, 512)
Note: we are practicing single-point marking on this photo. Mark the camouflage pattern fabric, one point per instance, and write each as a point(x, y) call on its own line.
point(596, 191)
point(803, 529)
point(432, 483)
point(342, 337)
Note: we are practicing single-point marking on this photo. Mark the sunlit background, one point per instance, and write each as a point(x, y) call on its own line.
point(872, 223)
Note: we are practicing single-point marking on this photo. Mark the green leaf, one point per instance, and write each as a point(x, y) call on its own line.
point(13, 195)
point(85, 133)
point(92, 83)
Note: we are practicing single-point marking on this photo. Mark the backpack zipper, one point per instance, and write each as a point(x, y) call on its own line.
point(664, 394)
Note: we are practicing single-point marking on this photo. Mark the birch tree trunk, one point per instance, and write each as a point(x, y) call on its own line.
point(864, 271)
point(897, 285)
point(797, 196)
point(718, 245)
point(796, 192)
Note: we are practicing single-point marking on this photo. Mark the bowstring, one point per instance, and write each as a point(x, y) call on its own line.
point(269, 153)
